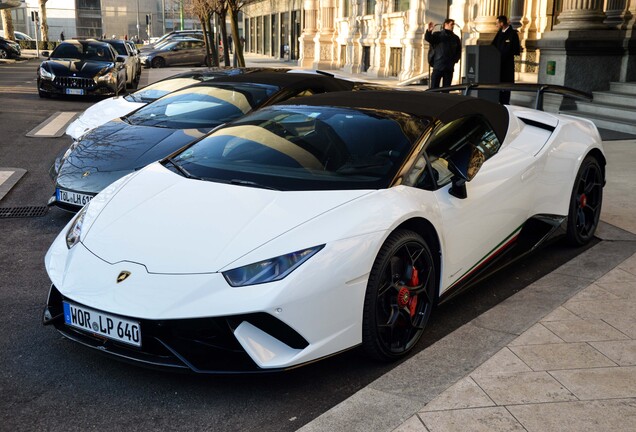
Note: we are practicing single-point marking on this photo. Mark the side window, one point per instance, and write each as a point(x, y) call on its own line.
point(305, 92)
point(470, 137)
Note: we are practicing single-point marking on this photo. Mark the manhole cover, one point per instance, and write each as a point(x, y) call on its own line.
point(23, 212)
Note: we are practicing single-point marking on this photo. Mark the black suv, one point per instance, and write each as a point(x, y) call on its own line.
point(9, 48)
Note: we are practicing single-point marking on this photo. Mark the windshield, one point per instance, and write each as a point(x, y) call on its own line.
point(204, 106)
point(306, 148)
point(160, 89)
point(83, 50)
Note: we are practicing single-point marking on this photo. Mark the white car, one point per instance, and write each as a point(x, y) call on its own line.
point(318, 225)
point(119, 106)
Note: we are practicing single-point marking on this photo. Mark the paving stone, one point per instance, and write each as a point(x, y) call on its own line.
point(463, 394)
point(584, 331)
point(617, 275)
point(475, 420)
point(622, 290)
point(590, 416)
point(561, 356)
point(605, 309)
point(537, 335)
point(605, 231)
point(505, 361)
point(601, 383)
point(622, 352)
point(523, 388)
point(414, 424)
point(560, 314)
point(629, 265)
point(595, 262)
point(366, 410)
point(594, 292)
point(625, 324)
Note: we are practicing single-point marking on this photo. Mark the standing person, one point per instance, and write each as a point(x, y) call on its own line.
point(507, 42)
point(229, 43)
point(62, 36)
point(447, 51)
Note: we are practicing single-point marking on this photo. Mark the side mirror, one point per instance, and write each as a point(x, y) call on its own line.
point(46, 54)
point(120, 59)
point(464, 164)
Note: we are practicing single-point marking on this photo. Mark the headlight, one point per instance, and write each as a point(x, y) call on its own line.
point(46, 74)
point(269, 270)
point(108, 77)
point(74, 233)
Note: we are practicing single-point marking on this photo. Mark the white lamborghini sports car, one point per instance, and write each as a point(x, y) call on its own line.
point(318, 225)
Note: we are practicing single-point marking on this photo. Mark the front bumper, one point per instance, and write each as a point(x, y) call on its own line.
point(56, 87)
point(200, 345)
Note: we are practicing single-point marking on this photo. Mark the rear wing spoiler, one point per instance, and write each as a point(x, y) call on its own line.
point(539, 89)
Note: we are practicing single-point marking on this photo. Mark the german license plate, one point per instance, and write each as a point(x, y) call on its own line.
point(75, 198)
point(71, 91)
point(102, 324)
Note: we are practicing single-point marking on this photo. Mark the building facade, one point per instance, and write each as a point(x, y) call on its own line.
point(383, 38)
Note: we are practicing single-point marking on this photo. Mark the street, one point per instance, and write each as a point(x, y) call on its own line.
point(50, 383)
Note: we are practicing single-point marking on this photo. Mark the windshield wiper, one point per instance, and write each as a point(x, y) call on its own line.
point(182, 170)
point(250, 184)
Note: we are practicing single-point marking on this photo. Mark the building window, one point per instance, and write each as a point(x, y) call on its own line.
point(400, 5)
point(370, 7)
point(395, 61)
point(343, 56)
point(366, 58)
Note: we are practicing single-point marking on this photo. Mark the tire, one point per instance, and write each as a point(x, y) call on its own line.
point(3, 54)
point(158, 62)
point(398, 301)
point(585, 202)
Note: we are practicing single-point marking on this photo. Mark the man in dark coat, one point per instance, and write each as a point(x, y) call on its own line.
point(447, 50)
point(507, 42)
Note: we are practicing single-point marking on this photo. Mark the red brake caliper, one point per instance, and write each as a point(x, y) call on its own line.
point(404, 295)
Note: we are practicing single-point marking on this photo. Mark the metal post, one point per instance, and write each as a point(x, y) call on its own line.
point(36, 22)
point(163, 15)
point(181, 15)
point(138, 36)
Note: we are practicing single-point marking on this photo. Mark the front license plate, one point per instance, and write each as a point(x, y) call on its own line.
point(75, 198)
point(102, 324)
point(74, 91)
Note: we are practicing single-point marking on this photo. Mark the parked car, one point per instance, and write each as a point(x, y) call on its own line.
point(115, 107)
point(131, 62)
point(9, 48)
point(19, 36)
point(176, 34)
point(177, 52)
point(317, 225)
point(118, 147)
point(81, 68)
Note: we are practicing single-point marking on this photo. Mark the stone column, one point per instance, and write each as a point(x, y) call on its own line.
point(489, 10)
point(354, 47)
point(581, 15)
point(628, 63)
point(581, 52)
point(516, 15)
point(412, 45)
point(307, 44)
point(378, 54)
point(324, 46)
point(615, 13)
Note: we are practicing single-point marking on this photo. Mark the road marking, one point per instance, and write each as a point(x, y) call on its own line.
point(14, 89)
point(8, 178)
point(53, 126)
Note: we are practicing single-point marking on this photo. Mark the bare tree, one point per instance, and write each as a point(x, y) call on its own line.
point(204, 9)
point(234, 6)
point(44, 26)
point(7, 24)
point(221, 8)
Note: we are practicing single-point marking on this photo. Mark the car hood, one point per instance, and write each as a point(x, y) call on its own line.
point(119, 147)
point(171, 224)
point(100, 113)
point(83, 69)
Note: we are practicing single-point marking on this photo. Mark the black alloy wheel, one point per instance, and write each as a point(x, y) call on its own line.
point(400, 296)
point(158, 62)
point(585, 202)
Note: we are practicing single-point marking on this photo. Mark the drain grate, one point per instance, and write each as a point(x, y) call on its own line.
point(23, 212)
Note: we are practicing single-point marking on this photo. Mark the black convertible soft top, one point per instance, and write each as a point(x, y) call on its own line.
point(435, 106)
point(288, 80)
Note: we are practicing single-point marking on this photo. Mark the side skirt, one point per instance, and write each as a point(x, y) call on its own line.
point(536, 231)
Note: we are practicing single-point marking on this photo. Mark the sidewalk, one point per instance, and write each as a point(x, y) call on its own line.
point(558, 356)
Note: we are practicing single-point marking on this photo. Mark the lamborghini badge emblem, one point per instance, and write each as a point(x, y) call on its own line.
point(123, 276)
